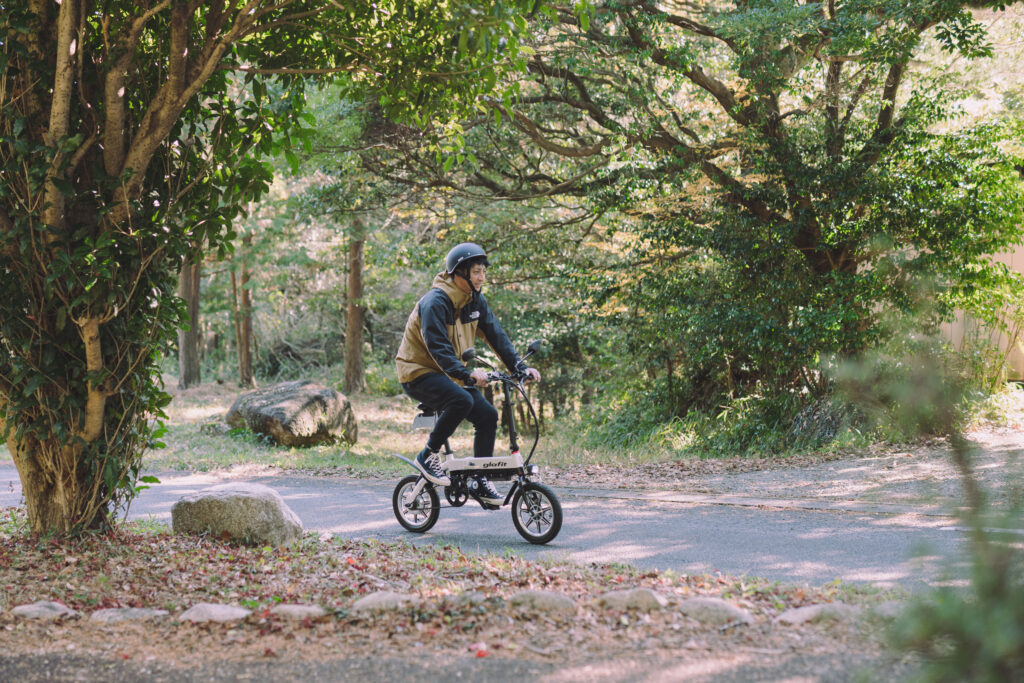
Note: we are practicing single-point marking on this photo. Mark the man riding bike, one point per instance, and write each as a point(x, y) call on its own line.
point(444, 323)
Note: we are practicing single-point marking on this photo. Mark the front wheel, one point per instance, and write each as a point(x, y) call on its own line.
point(417, 513)
point(536, 513)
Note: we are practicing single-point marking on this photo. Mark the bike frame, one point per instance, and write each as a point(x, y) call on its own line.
point(500, 468)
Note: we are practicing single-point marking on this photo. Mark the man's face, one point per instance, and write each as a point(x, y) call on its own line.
point(478, 275)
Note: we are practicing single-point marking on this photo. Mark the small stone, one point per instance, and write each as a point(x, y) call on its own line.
point(381, 601)
point(206, 611)
point(888, 611)
point(119, 614)
point(830, 611)
point(470, 598)
point(44, 609)
point(298, 612)
point(714, 611)
point(544, 601)
point(643, 599)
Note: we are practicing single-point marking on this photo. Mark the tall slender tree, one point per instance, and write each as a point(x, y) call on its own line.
point(123, 150)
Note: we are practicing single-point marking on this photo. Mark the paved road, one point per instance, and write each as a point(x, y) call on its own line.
point(790, 541)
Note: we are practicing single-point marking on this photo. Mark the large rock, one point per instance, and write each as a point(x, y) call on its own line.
point(300, 413)
point(245, 513)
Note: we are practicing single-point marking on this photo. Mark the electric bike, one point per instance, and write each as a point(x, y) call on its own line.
point(536, 512)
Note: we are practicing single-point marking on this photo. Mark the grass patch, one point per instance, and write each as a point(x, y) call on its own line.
point(197, 440)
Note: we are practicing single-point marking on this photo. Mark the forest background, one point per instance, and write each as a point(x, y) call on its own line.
point(704, 210)
point(697, 271)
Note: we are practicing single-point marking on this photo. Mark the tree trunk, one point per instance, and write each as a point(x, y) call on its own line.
point(189, 373)
point(355, 371)
point(243, 319)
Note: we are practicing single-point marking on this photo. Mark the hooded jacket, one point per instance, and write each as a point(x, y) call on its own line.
point(444, 323)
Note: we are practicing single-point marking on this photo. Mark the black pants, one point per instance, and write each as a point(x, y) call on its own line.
point(455, 404)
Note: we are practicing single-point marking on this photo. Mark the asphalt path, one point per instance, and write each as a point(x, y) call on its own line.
point(784, 540)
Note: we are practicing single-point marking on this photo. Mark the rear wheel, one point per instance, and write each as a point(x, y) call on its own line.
point(536, 513)
point(416, 513)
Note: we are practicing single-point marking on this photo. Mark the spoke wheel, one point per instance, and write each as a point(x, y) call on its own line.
point(536, 513)
point(417, 513)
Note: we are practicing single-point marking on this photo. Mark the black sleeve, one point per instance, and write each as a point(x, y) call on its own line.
point(435, 310)
point(496, 337)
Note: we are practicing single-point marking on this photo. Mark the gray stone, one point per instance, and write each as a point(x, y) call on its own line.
point(206, 611)
point(244, 512)
point(382, 601)
point(643, 599)
point(300, 413)
point(119, 614)
point(470, 598)
point(829, 611)
point(888, 611)
point(44, 609)
point(544, 601)
point(714, 611)
point(298, 612)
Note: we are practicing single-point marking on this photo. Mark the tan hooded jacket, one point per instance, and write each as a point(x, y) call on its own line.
point(445, 322)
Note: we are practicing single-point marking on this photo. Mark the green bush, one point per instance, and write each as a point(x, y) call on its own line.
point(972, 634)
point(751, 425)
point(382, 378)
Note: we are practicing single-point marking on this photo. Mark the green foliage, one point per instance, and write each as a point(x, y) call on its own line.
point(145, 151)
point(734, 233)
point(975, 634)
point(381, 378)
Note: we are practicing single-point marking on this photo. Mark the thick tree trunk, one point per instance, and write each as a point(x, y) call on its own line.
point(243, 320)
point(59, 496)
point(355, 371)
point(189, 373)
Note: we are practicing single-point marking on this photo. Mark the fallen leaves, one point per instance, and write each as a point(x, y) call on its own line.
point(462, 607)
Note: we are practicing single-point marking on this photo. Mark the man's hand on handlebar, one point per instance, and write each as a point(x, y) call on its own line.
point(532, 375)
point(478, 377)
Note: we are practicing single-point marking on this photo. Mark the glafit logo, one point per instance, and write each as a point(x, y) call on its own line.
point(491, 464)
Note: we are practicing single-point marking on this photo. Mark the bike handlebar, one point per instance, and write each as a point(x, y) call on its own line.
point(519, 377)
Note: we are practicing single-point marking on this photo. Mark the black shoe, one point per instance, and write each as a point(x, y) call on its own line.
point(484, 491)
point(429, 463)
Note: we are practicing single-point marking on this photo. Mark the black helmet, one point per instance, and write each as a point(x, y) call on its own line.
point(461, 253)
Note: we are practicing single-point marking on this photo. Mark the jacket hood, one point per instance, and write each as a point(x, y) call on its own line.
point(446, 283)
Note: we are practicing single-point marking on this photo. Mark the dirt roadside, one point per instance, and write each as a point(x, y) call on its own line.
point(846, 651)
point(922, 475)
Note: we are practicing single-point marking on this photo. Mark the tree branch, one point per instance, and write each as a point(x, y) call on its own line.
point(532, 130)
point(60, 109)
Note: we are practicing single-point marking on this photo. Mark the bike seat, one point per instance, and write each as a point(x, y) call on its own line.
point(426, 410)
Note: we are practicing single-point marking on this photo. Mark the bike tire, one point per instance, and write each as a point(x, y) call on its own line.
point(420, 514)
point(536, 513)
